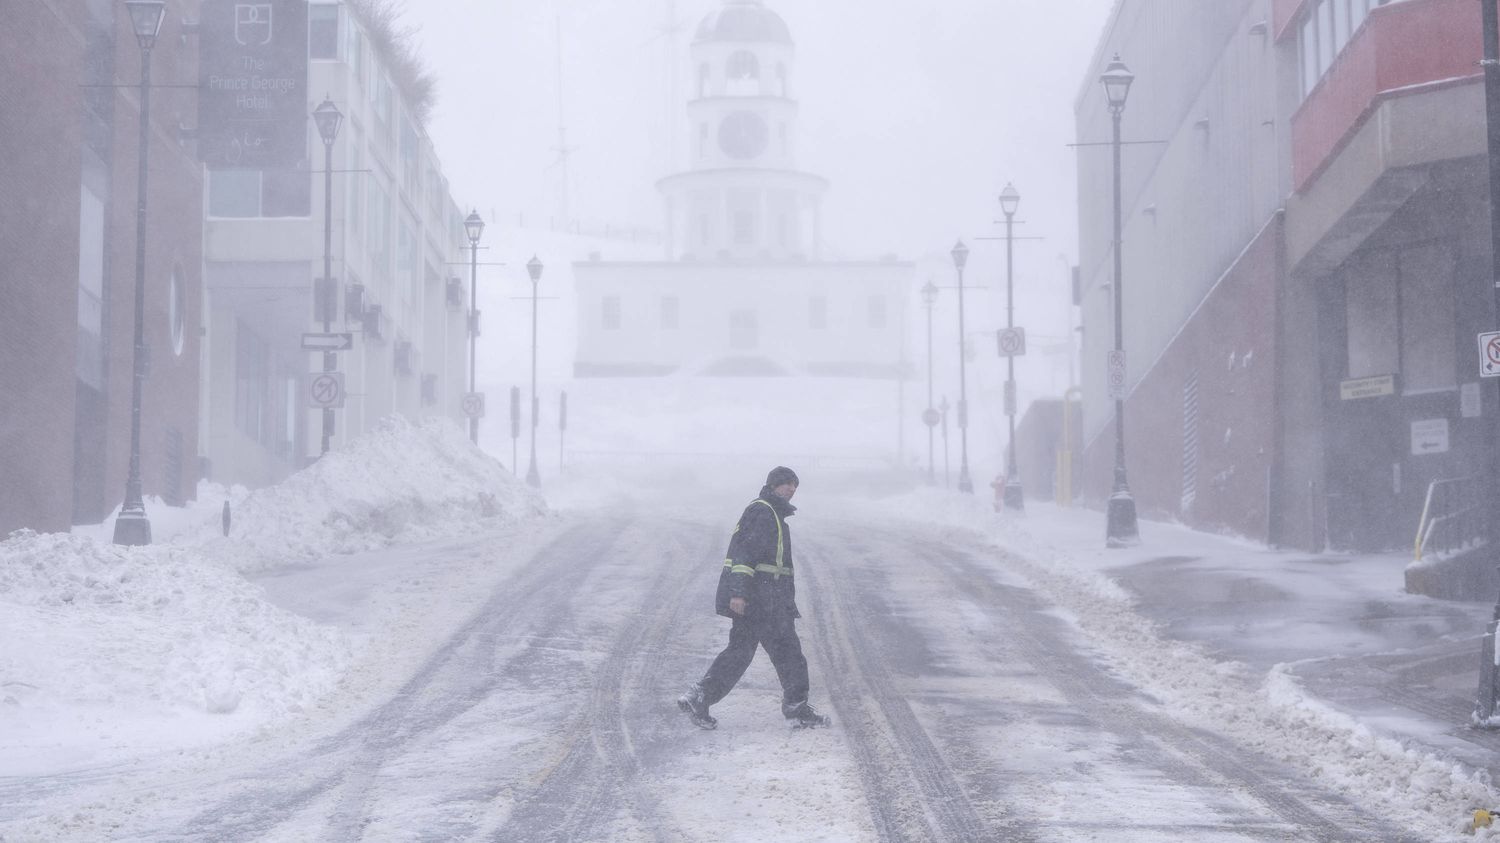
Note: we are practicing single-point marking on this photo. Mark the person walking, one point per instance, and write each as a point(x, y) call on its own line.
point(757, 593)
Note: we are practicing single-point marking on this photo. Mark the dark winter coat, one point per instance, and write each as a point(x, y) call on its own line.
point(758, 565)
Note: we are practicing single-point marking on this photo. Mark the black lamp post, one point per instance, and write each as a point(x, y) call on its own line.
point(474, 228)
point(329, 119)
point(960, 258)
point(930, 416)
point(1121, 529)
point(1013, 496)
point(132, 527)
point(534, 269)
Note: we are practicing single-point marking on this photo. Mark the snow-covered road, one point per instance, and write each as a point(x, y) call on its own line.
point(966, 704)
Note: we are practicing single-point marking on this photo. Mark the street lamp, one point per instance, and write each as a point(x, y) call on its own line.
point(930, 416)
point(960, 258)
point(474, 228)
point(328, 118)
point(1121, 529)
point(132, 527)
point(533, 268)
point(1010, 199)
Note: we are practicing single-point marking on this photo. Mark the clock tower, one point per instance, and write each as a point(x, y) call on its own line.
point(742, 198)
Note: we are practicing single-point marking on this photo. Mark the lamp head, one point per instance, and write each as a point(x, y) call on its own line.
point(1010, 198)
point(534, 268)
point(929, 293)
point(329, 119)
point(145, 20)
point(1117, 78)
point(960, 254)
point(474, 227)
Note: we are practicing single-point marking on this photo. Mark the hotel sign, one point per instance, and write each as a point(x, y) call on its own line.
point(252, 84)
point(1367, 387)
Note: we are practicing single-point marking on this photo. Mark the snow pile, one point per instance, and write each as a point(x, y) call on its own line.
point(97, 636)
point(109, 651)
point(399, 483)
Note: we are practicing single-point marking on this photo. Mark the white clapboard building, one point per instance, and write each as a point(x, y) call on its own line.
point(741, 289)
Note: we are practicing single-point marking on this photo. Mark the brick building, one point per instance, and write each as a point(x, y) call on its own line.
point(68, 127)
point(1306, 263)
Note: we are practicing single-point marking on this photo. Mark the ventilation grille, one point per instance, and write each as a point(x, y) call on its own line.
point(1189, 443)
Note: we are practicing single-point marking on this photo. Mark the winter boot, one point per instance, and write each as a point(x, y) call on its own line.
point(694, 706)
point(804, 716)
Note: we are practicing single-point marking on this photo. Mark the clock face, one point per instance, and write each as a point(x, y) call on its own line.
point(743, 135)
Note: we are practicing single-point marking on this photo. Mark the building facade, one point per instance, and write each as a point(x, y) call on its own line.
point(1305, 256)
point(69, 120)
point(397, 244)
point(742, 290)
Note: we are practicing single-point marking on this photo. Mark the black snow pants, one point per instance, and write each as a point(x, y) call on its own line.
point(778, 635)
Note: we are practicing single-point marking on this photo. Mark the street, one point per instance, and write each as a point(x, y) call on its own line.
point(966, 706)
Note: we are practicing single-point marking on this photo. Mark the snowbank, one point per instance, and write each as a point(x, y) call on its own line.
point(400, 483)
point(111, 651)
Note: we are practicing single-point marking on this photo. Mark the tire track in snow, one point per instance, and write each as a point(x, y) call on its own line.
point(912, 792)
point(599, 774)
point(345, 765)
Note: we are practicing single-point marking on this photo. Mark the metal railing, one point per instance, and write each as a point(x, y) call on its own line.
point(1452, 517)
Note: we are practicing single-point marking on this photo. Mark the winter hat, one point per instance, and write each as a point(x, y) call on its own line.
point(781, 475)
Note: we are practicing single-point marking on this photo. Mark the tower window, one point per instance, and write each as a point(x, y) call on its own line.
point(877, 312)
point(742, 74)
point(817, 313)
point(743, 65)
point(744, 330)
point(611, 313)
point(669, 310)
point(703, 74)
point(781, 78)
point(744, 227)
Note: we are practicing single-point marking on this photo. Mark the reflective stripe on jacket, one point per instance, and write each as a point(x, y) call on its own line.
point(758, 564)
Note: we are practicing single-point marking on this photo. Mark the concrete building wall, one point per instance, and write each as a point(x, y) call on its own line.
point(1197, 187)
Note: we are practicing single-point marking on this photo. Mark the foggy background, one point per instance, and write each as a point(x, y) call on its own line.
point(918, 114)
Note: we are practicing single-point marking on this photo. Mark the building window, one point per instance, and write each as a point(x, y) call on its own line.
point(242, 194)
point(90, 359)
point(1370, 316)
point(176, 310)
point(742, 75)
point(705, 229)
point(817, 313)
point(781, 79)
point(702, 140)
point(1428, 356)
point(669, 308)
point(876, 311)
point(610, 313)
point(744, 227)
point(234, 193)
point(744, 330)
point(322, 31)
point(252, 383)
point(1326, 30)
point(703, 76)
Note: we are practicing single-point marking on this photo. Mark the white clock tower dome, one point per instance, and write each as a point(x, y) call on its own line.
point(743, 198)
